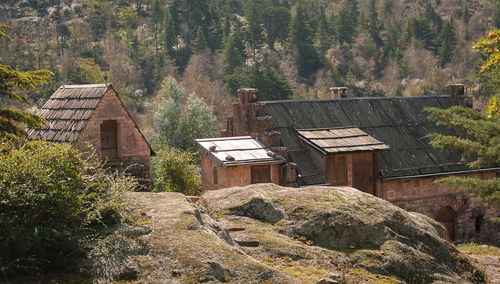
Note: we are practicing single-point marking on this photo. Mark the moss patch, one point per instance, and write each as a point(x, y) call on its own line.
point(377, 278)
point(478, 249)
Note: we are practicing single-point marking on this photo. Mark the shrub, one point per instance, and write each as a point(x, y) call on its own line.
point(52, 197)
point(175, 170)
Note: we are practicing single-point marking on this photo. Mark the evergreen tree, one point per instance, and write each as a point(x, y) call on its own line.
point(300, 38)
point(271, 85)
point(156, 20)
point(276, 20)
point(234, 53)
point(322, 38)
point(373, 24)
point(345, 23)
point(170, 32)
point(12, 84)
point(200, 42)
point(254, 28)
point(447, 43)
point(496, 17)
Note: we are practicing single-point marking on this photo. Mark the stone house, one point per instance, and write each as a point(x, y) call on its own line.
point(94, 114)
point(374, 144)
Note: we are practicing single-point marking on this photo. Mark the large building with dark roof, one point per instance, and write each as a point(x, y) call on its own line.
point(375, 144)
point(94, 114)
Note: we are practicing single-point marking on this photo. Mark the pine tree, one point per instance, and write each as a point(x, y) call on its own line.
point(373, 24)
point(233, 53)
point(447, 43)
point(496, 17)
point(254, 29)
point(169, 33)
point(156, 21)
point(200, 42)
point(300, 38)
point(322, 38)
point(12, 84)
point(345, 23)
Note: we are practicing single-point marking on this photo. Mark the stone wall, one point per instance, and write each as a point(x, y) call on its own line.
point(133, 150)
point(424, 196)
point(231, 176)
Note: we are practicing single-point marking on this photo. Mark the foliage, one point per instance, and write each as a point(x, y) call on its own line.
point(480, 140)
point(490, 45)
point(12, 84)
point(175, 170)
point(271, 85)
point(85, 71)
point(51, 199)
point(181, 119)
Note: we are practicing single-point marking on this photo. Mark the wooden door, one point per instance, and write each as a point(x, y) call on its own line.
point(109, 143)
point(446, 216)
point(336, 169)
point(261, 174)
point(363, 168)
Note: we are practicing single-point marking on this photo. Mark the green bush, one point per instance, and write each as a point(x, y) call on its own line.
point(176, 170)
point(52, 198)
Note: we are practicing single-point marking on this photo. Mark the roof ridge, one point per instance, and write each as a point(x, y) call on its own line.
point(352, 99)
point(84, 86)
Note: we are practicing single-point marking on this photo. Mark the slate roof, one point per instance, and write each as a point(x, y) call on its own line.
point(68, 111)
point(340, 140)
point(398, 122)
point(238, 150)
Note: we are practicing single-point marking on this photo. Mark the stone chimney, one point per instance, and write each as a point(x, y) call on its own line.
point(457, 91)
point(339, 92)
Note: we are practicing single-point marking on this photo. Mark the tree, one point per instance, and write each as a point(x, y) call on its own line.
point(481, 138)
point(345, 23)
point(276, 20)
point(300, 38)
point(182, 118)
point(233, 53)
point(254, 28)
point(322, 37)
point(447, 43)
point(156, 21)
point(200, 42)
point(12, 85)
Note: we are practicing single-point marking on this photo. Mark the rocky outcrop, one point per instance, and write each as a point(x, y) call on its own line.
point(270, 234)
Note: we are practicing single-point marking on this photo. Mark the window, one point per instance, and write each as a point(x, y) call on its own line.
point(336, 170)
point(261, 174)
point(214, 175)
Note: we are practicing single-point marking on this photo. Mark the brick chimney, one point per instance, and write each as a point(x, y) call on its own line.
point(339, 92)
point(457, 91)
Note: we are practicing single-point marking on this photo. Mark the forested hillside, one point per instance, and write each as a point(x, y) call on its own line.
point(287, 49)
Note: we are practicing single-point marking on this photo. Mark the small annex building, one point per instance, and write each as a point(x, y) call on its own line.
point(375, 144)
point(94, 114)
point(237, 161)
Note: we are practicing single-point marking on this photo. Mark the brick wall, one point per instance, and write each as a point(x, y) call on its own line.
point(231, 176)
point(424, 196)
point(133, 150)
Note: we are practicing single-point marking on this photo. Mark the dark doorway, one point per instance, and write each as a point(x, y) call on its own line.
point(261, 174)
point(363, 172)
point(109, 145)
point(446, 216)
